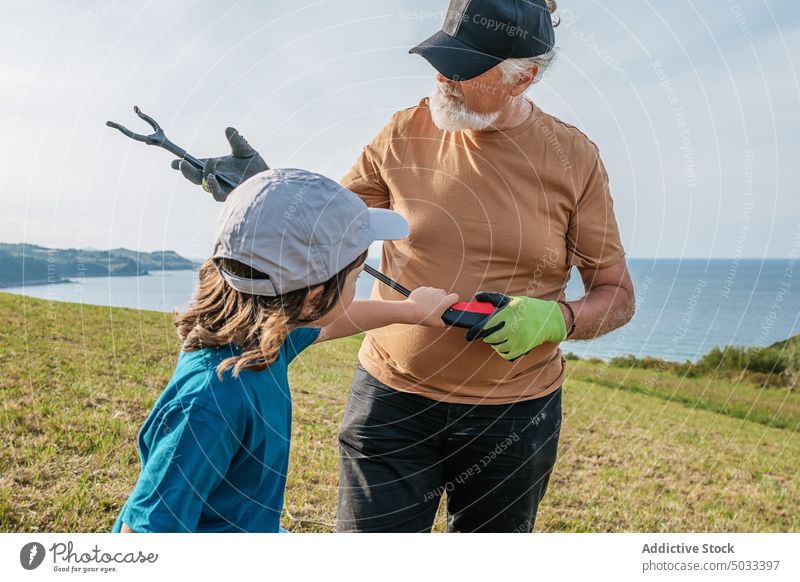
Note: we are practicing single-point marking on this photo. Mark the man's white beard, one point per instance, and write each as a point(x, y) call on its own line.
point(453, 115)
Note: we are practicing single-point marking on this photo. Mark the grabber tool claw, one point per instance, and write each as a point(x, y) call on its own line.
point(159, 138)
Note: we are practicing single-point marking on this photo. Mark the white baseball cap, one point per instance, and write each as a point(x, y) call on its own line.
point(297, 227)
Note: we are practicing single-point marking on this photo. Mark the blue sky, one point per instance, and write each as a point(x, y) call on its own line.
point(695, 107)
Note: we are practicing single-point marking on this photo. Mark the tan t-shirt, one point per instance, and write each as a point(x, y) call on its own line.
point(506, 211)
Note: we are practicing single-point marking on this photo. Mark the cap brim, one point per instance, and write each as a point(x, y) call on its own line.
point(387, 224)
point(453, 58)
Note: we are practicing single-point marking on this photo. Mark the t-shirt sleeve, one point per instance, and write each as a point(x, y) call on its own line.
point(365, 178)
point(298, 340)
point(593, 239)
point(188, 459)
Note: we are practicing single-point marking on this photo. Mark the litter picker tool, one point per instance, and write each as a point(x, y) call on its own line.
point(462, 314)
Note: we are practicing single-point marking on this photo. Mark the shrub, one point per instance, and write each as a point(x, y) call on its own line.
point(626, 361)
point(737, 358)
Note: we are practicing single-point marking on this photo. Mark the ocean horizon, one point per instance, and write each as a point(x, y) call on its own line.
point(685, 307)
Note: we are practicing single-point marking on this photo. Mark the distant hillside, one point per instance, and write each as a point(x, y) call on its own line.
point(793, 343)
point(32, 265)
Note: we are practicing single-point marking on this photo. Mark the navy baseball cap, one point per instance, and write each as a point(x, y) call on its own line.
point(479, 34)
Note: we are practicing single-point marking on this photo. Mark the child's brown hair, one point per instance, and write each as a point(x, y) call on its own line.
point(219, 315)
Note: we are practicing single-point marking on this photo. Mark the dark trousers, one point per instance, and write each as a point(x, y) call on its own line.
point(400, 452)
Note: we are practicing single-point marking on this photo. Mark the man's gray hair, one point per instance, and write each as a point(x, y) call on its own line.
point(514, 69)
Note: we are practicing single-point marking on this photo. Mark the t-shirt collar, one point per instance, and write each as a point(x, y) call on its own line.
point(492, 133)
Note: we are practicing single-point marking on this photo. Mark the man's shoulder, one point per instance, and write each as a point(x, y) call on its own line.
point(420, 108)
point(566, 134)
point(411, 116)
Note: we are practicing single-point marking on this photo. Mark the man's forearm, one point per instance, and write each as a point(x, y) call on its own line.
point(603, 309)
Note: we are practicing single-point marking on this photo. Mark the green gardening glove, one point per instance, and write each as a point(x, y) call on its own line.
point(519, 324)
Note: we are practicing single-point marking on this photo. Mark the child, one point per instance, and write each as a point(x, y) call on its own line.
point(215, 448)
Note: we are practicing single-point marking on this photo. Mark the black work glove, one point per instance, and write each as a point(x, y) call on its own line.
point(483, 329)
point(243, 163)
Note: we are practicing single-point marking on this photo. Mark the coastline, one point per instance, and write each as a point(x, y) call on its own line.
point(43, 283)
point(34, 283)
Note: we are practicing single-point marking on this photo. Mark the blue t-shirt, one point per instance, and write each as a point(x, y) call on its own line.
point(215, 452)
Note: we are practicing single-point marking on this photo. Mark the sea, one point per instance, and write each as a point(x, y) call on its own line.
point(684, 308)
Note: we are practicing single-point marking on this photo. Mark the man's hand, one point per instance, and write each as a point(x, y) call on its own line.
point(243, 163)
point(428, 304)
point(519, 325)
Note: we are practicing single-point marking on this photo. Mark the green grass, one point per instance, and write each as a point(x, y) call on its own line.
point(777, 407)
point(641, 449)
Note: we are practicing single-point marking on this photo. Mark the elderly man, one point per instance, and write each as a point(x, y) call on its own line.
point(502, 199)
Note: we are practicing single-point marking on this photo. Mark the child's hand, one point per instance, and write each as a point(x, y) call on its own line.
point(427, 305)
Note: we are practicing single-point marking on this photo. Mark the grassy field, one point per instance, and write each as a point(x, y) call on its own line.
point(641, 450)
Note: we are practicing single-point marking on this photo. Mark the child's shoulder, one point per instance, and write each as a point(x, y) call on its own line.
point(298, 340)
point(195, 382)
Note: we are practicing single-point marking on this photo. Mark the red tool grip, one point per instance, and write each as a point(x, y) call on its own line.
point(483, 307)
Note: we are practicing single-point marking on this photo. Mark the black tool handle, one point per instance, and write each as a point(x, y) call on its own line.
point(384, 279)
